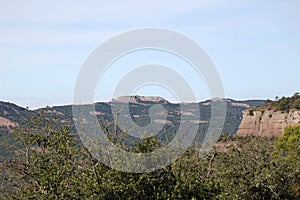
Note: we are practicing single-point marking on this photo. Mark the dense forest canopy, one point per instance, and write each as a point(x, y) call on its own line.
point(53, 166)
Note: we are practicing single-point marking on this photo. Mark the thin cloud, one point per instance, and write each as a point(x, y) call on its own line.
point(109, 11)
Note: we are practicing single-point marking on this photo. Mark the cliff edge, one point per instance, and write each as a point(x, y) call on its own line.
point(267, 123)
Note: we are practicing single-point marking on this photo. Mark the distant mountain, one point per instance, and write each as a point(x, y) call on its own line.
point(12, 116)
point(140, 99)
point(13, 112)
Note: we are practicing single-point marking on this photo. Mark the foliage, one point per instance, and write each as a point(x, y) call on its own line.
point(53, 165)
point(248, 171)
point(50, 165)
point(285, 103)
point(251, 112)
point(287, 155)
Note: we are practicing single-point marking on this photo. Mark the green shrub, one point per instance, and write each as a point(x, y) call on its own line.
point(251, 112)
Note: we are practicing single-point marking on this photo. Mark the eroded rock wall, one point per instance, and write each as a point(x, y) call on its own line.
point(267, 123)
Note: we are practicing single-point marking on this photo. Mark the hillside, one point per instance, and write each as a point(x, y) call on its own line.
point(53, 167)
point(139, 112)
point(12, 116)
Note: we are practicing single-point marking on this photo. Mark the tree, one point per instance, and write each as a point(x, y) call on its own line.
point(50, 165)
point(296, 95)
point(54, 165)
point(268, 101)
point(287, 158)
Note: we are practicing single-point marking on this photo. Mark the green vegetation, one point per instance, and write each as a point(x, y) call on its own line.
point(251, 112)
point(285, 103)
point(287, 153)
point(52, 165)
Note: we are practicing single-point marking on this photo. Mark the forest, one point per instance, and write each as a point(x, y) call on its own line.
point(53, 165)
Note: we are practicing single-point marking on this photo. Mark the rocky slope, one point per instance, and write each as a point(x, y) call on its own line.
point(11, 116)
point(267, 122)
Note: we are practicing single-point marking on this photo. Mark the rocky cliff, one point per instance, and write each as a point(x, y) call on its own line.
point(140, 99)
point(269, 123)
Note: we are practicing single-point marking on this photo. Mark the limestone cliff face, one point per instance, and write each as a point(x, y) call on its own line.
point(267, 123)
point(139, 99)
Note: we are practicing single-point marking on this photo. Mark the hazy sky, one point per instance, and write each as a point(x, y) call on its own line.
point(255, 45)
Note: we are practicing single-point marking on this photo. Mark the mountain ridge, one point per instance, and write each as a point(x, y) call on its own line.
point(15, 113)
point(13, 116)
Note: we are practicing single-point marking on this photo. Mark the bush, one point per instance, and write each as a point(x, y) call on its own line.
point(251, 112)
point(53, 165)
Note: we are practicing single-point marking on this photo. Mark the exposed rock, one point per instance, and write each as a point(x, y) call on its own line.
point(240, 104)
point(217, 99)
point(97, 113)
point(161, 121)
point(48, 111)
point(225, 146)
point(7, 123)
point(139, 99)
point(267, 123)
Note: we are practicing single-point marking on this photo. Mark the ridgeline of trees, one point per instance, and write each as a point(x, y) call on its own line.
point(285, 103)
point(53, 166)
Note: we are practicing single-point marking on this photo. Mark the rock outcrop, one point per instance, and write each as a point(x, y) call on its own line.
point(267, 123)
point(7, 123)
point(139, 99)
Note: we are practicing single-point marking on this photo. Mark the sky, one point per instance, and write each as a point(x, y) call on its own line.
point(255, 45)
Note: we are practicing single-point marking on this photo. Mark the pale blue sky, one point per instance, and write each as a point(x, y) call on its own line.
point(255, 45)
